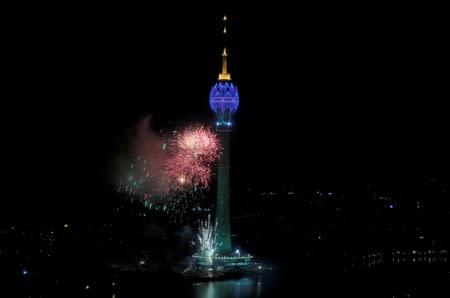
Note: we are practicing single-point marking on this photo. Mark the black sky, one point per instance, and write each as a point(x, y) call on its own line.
point(327, 93)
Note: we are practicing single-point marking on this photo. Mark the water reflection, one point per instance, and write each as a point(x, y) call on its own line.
point(240, 288)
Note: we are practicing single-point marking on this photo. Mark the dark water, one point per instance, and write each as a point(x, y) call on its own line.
point(255, 286)
point(385, 281)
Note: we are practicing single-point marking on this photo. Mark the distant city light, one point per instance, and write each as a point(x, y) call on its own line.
point(87, 287)
point(259, 267)
point(391, 206)
point(25, 272)
point(237, 251)
point(66, 226)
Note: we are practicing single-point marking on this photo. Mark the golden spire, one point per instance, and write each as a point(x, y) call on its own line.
point(224, 75)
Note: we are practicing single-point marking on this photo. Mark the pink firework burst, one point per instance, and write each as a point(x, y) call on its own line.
point(193, 152)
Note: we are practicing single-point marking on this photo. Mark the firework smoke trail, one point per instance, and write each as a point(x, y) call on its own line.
point(141, 171)
point(207, 239)
point(193, 152)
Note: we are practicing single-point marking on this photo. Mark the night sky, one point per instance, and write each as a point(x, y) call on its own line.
point(337, 95)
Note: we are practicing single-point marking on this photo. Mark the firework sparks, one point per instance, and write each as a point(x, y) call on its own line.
point(193, 153)
point(206, 238)
point(138, 182)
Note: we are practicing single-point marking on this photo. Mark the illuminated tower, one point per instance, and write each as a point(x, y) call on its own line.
point(224, 101)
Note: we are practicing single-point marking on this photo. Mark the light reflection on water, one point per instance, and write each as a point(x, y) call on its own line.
point(237, 288)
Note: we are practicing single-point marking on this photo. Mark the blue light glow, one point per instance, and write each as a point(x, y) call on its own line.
point(224, 100)
point(25, 272)
point(391, 206)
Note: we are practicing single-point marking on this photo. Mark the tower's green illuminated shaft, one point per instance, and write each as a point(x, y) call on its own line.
point(223, 196)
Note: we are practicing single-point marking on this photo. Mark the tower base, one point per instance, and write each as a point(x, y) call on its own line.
point(225, 262)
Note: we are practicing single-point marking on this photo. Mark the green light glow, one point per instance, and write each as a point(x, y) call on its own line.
point(223, 197)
